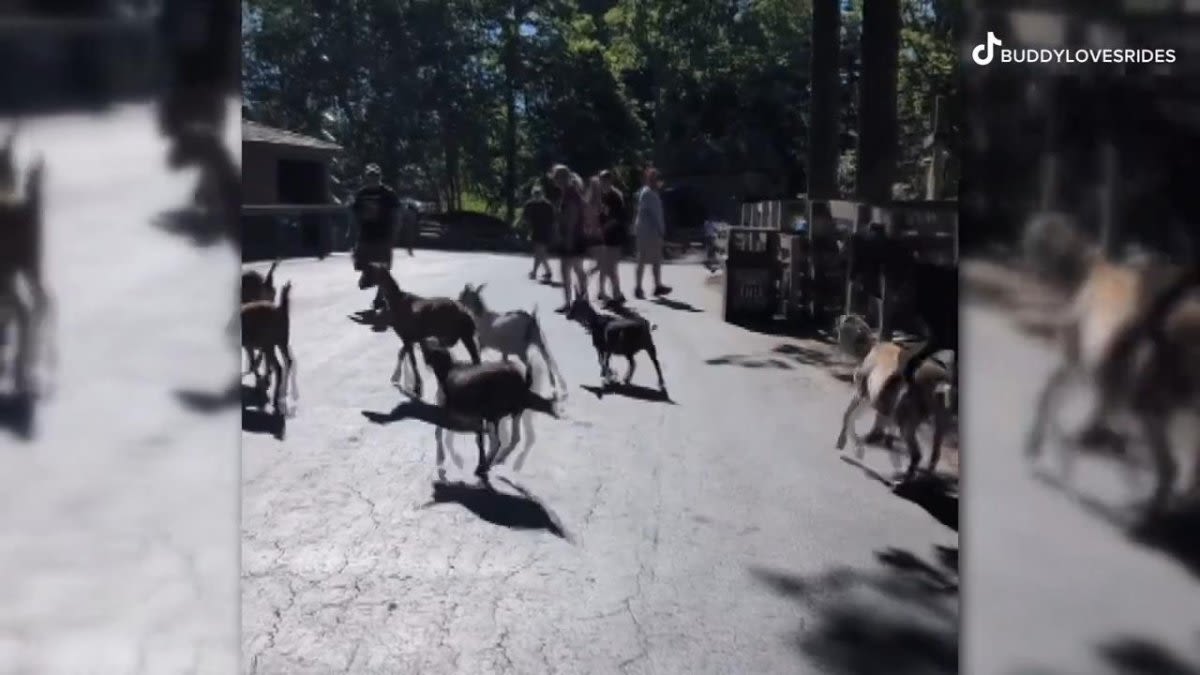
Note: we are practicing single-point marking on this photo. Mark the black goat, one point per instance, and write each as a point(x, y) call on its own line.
point(484, 393)
point(625, 336)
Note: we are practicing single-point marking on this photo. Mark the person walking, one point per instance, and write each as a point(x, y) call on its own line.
point(651, 231)
point(538, 215)
point(593, 235)
point(569, 238)
point(614, 224)
point(375, 209)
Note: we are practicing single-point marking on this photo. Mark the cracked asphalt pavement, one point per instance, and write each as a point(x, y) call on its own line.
point(635, 538)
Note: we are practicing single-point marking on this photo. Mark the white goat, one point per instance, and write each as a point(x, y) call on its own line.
point(510, 333)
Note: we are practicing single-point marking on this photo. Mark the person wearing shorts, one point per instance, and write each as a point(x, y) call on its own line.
point(651, 231)
point(570, 245)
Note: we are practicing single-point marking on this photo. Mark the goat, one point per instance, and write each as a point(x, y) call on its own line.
point(21, 259)
point(878, 383)
point(1130, 331)
point(414, 319)
point(484, 393)
point(611, 334)
point(510, 333)
point(267, 327)
point(257, 287)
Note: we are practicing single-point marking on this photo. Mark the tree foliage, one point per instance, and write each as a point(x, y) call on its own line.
point(448, 95)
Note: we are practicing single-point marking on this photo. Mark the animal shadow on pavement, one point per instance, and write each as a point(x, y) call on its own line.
point(519, 511)
point(207, 402)
point(1139, 656)
point(192, 224)
point(418, 410)
point(256, 419)
point(936, 493)
point(676, 305)
point(634, 391)
point(901, 618)
point(17, 414)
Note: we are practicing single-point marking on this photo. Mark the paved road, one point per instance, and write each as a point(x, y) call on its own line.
point(1053, 587)
point(117, 535)
point(720, 534)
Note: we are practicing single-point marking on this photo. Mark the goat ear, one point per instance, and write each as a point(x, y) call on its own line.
point(480, 287)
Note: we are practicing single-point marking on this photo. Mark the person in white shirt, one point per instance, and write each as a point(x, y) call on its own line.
point(651, 230)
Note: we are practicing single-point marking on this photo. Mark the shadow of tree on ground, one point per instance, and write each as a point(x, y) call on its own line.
point(901, 618)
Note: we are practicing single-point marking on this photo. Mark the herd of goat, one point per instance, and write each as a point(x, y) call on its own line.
point(475, 395)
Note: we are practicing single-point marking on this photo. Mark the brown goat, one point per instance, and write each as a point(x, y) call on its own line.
point(257, 287)
point(414, 319)
point(878, 383)
point(267, 327)
point(21, 258)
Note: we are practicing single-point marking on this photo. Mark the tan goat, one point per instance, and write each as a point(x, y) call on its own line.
point(878, 384)
point(1148, 373)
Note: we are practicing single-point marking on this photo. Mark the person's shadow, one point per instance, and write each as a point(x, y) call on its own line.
point(677, 305)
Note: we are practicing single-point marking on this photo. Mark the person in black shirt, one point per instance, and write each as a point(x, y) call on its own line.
point(375, 208)
point(538, 215)
point(614, 223)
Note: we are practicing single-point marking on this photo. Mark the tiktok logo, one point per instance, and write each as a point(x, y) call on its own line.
point(983, 54)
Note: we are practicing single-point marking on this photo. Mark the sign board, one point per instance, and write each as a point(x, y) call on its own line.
point(927, 218)
point(752, 271)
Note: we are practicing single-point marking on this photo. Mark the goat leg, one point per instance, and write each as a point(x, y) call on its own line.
point(529, 436)
point(24, 353)
point(512, 443)
point(398, 374)
point(857, 403)
point(472, 348)
point(1154, 427)
point(629, 373)
point(441, 453)
point(1045, 407)
point(662, 383)
point(909, 432)
point(939, 431)
point(481, 467)
point(412, 361)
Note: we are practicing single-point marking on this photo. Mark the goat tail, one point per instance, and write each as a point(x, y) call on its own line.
point(538, 336)
point(653, 327)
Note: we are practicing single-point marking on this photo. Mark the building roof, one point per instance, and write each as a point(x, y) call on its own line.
point(253, 132)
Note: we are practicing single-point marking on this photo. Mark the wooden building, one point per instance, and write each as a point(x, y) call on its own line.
point(287, 204)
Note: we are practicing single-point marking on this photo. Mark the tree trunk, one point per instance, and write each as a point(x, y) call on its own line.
point(511, 62)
